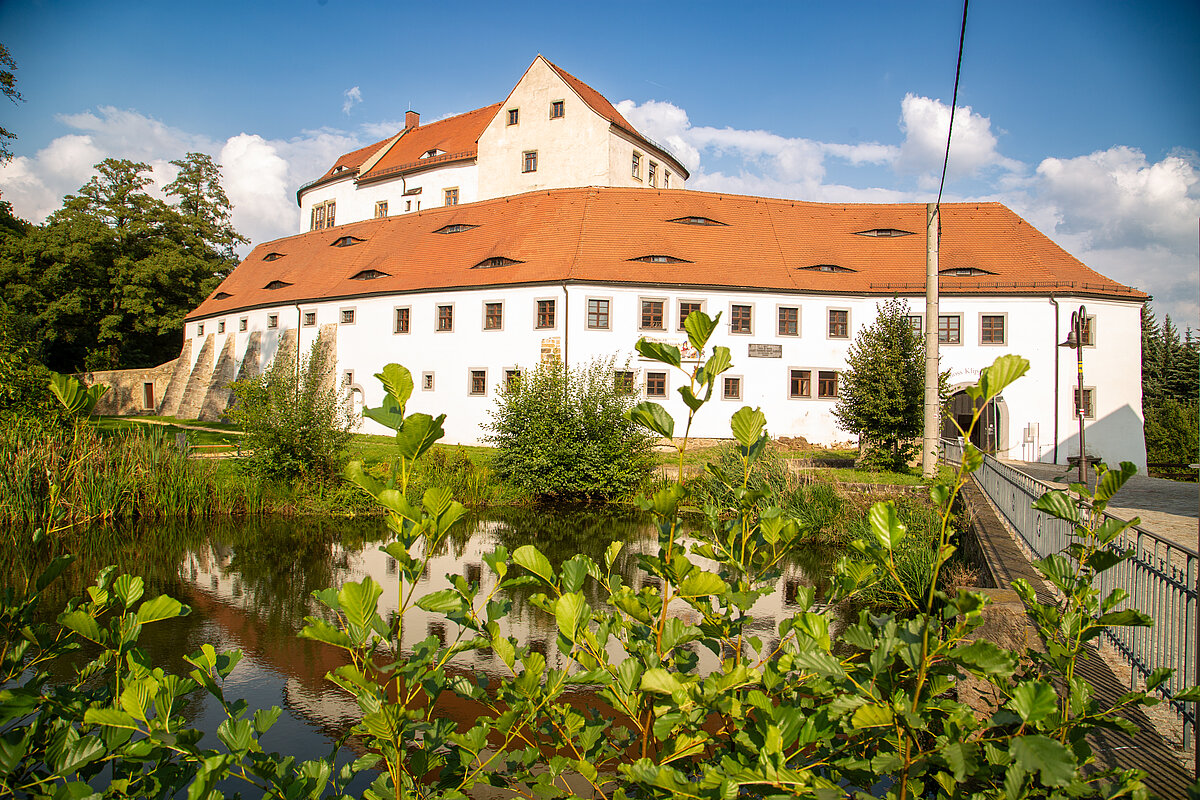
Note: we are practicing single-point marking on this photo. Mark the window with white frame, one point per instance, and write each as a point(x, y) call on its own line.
point(637, 165)
point(1088, 406)
point(445, 317)
point(401, 319)
point(310, 319)
point(529, 161)
point(652, 315)
point(656, 384)
point(827, 383)
point(598, 313)
point(244, 324)
point(950, 329)
point(992, 329)
point(272, 321)
point(789, 321)
point(741, 318)
point(346, 316)
point(478, 382)
point(731, 388)
point(427, 381)
point(545, 314)
point(221, 326)
point(493, 316)
point(839, 323)
point(800, 383)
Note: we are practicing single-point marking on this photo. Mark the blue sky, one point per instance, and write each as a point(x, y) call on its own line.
point(1083, 116)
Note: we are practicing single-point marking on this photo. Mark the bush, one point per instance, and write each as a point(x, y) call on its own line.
point(296, 423)
point(561, 431)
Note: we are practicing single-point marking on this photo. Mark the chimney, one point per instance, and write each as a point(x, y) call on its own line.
point(412, 119)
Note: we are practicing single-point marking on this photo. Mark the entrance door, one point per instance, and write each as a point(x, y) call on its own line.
point(961, 408)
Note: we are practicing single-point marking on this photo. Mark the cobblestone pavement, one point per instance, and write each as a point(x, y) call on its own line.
point(1168, 508)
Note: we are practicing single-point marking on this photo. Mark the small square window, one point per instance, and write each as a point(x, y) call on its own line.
point(452, 196)
point(991, 329)
point(623, 381)
point(408, 205)
point(656, 384)
point(739, 319)
point(687, 307)
point(272, 320)
point(493, 316)
point(445, 318)
point(381, 209)
point(827, 383)
point(839, 324)
point(514, 116)
point(348, 378)
point(800, 383)
point(200, 329)
point(545, 313)
point(221, 326)
point(652, 315)
point(512, 379)
point(950, 329)
point(427, 381)
point(402, 320)
point(789, 321)
point(1089, 406)
point(558, 110)
point(478, 382)
point(529, 161)
point(347, 316)
point(310, 319)
point(732, 389)
point(244, 324)
point(597, 314)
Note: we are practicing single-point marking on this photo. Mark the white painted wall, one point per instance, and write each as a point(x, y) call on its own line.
point(356, 202)
point(368, 344)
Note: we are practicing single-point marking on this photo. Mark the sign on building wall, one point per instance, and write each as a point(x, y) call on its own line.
point(766, 351)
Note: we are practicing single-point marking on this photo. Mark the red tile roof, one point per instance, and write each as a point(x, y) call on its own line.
point(591, 235)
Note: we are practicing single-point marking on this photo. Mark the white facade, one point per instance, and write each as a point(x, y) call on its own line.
point(446, 364)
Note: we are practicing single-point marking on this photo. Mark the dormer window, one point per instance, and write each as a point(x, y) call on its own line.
point(272, 256)
point(222, 296)
point(346, 241)
point(884, 233)
point(276, 285)
point(368, 275)
point(455, 228)
point(662, 260)
point(495, 261)
point(695, 221)
point(432, 153)
point(828, 268)
point(964, 272)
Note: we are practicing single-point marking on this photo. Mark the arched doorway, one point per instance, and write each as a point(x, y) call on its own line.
point(988, 431)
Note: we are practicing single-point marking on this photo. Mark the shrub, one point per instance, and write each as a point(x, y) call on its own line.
point(297, 423)
point(562, 431)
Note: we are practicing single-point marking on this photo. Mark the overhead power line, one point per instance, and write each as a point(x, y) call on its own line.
point(962, 35)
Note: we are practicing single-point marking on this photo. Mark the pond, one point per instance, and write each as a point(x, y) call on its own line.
point(249, 583)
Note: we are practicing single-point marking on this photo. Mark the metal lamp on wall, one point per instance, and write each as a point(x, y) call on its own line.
point(1075, 340)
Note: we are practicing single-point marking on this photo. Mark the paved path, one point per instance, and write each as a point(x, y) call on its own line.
point(187, 426)
point(1168, 508)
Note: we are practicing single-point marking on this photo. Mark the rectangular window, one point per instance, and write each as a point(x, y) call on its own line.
point(1089, 331)
point(318, 217)
point(652, 315)
point(666, 179)
point(445, 318)
point(1089, 407)
point(310, 319)
point(637, 166)
point(348, 378)
point(529, 163)
point(789, 321)
point(200, 329)
point(408, 205)
point(478, 382)
point(493, 316)
point(597, 314)
point(512, 377)
point(656, 384)
point(687, 307)
point(839, 324)
point(558, 110)
point(452, 196)
point(545, 313)
point(244, 324)
point(991, 329)
point(381, 209)
point(739, 319)
point(732, 389)
point(347, 316)
point(652, 174)
point(915, 322)
point(272, 320)
point(400, 324)
point(329, 209)
point(950, 329)
point(148, 395)
point(827, 384)
point(623, 381)
point(514, 116)
point(800, 383)
point(427, 381)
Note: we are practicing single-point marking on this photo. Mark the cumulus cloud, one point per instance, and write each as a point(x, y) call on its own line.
point(973, 147)
point(353, 96)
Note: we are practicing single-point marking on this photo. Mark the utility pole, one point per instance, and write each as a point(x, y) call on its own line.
point(933, 415)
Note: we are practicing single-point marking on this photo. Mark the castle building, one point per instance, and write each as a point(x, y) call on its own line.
point(446, 249)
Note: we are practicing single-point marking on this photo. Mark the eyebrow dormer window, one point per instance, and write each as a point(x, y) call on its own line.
point(495, 261)
point(276, 285)
point(272, 256)
point(346, 241)
point(827, 268)
point(222, 295)
point(964, 272)
point(368, 275)
point(662, 260)
point(884, 233)
point(695, 221)
point(456, 228)
point(432, 153)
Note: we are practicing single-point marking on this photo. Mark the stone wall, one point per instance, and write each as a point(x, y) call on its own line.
point(127, 394)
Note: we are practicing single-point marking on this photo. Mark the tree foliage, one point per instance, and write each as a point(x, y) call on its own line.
point(881, 397)
point(297, 421)
point(1170, 381)
point(561, 431)
point(107, 281)
point(8, 87)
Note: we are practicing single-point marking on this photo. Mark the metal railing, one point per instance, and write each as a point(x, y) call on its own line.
point(1159, 577)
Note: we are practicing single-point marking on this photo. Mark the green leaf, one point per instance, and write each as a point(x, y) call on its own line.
point(77, 399)
point(419, 433)
point(699, 327)
point(81, 752)
point(747, 425)
point(659, 681)
point(264, 719)
point(657, 351)
point(986, 658)
point(397, 382)
point(574, 571)
point(236, 734)
point(532, 559)
point(611, 552)
point(1113, 480)
point(441, 602)
point(886, 524)
point(53, 570)
point(1129, 616)
point(702, 584)
point(972, 458)
point(690, 399)
point(110, 717)
point(652, 416)
point(570, 612)
point(81, 623)
point(1044, 755)
point(389, 415)
point(872, 716)
point(720, 360)
point(128, 589)
point(1057, 504)
point(1004, 370)
point(321, 631)
point(1188, 695)
point(359, 602)
point(1034, 701)
point(160, 608)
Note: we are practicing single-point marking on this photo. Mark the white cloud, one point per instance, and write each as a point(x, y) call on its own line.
point(973, 148)
point(353, 97)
